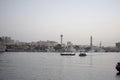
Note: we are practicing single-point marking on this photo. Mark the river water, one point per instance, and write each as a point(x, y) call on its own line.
point(52, 66)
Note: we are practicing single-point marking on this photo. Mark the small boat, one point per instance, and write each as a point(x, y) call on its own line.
point(118, 66)
point(82, 54)
point(67, 54)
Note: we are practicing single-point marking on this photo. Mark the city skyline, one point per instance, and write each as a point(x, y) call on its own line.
point(10, 40)
point(77, 20)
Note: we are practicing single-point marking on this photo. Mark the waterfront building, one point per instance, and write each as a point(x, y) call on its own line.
point(45, 43)
point(70, 47)
point(50, 45)
point(7, 40)
point(2, 45)
point(118, 45)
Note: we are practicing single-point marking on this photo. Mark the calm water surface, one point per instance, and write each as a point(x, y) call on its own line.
point(52, 66)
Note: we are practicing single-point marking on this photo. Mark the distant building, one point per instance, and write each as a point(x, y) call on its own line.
point(70, 47)
point(48, 44)
point(7, 40)
point(17, 42)
point(2, 45)
point(118, 45)
point(51, 43)
point(45, 43)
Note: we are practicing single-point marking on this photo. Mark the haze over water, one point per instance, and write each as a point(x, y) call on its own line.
point(52, 66)
point(33, 20)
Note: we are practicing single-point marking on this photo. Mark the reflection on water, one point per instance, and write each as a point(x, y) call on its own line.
point(52, 66)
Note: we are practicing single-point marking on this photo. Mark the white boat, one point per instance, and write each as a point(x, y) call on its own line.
point(82, 54)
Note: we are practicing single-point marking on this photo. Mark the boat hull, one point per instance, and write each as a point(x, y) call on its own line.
point(67, 54)
point(82, 54)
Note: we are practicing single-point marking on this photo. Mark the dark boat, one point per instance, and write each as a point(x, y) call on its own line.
point(118, 66)
point(82, 54)
point(67, 54)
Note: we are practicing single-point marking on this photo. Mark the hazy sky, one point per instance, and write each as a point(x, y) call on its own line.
point(77, 20)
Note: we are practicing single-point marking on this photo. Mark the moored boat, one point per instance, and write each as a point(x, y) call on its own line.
point(82, 54)
point(67, 54)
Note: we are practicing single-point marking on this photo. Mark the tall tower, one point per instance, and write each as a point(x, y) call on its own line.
point(100, 44)
point(91, 42)
point(61, 39)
